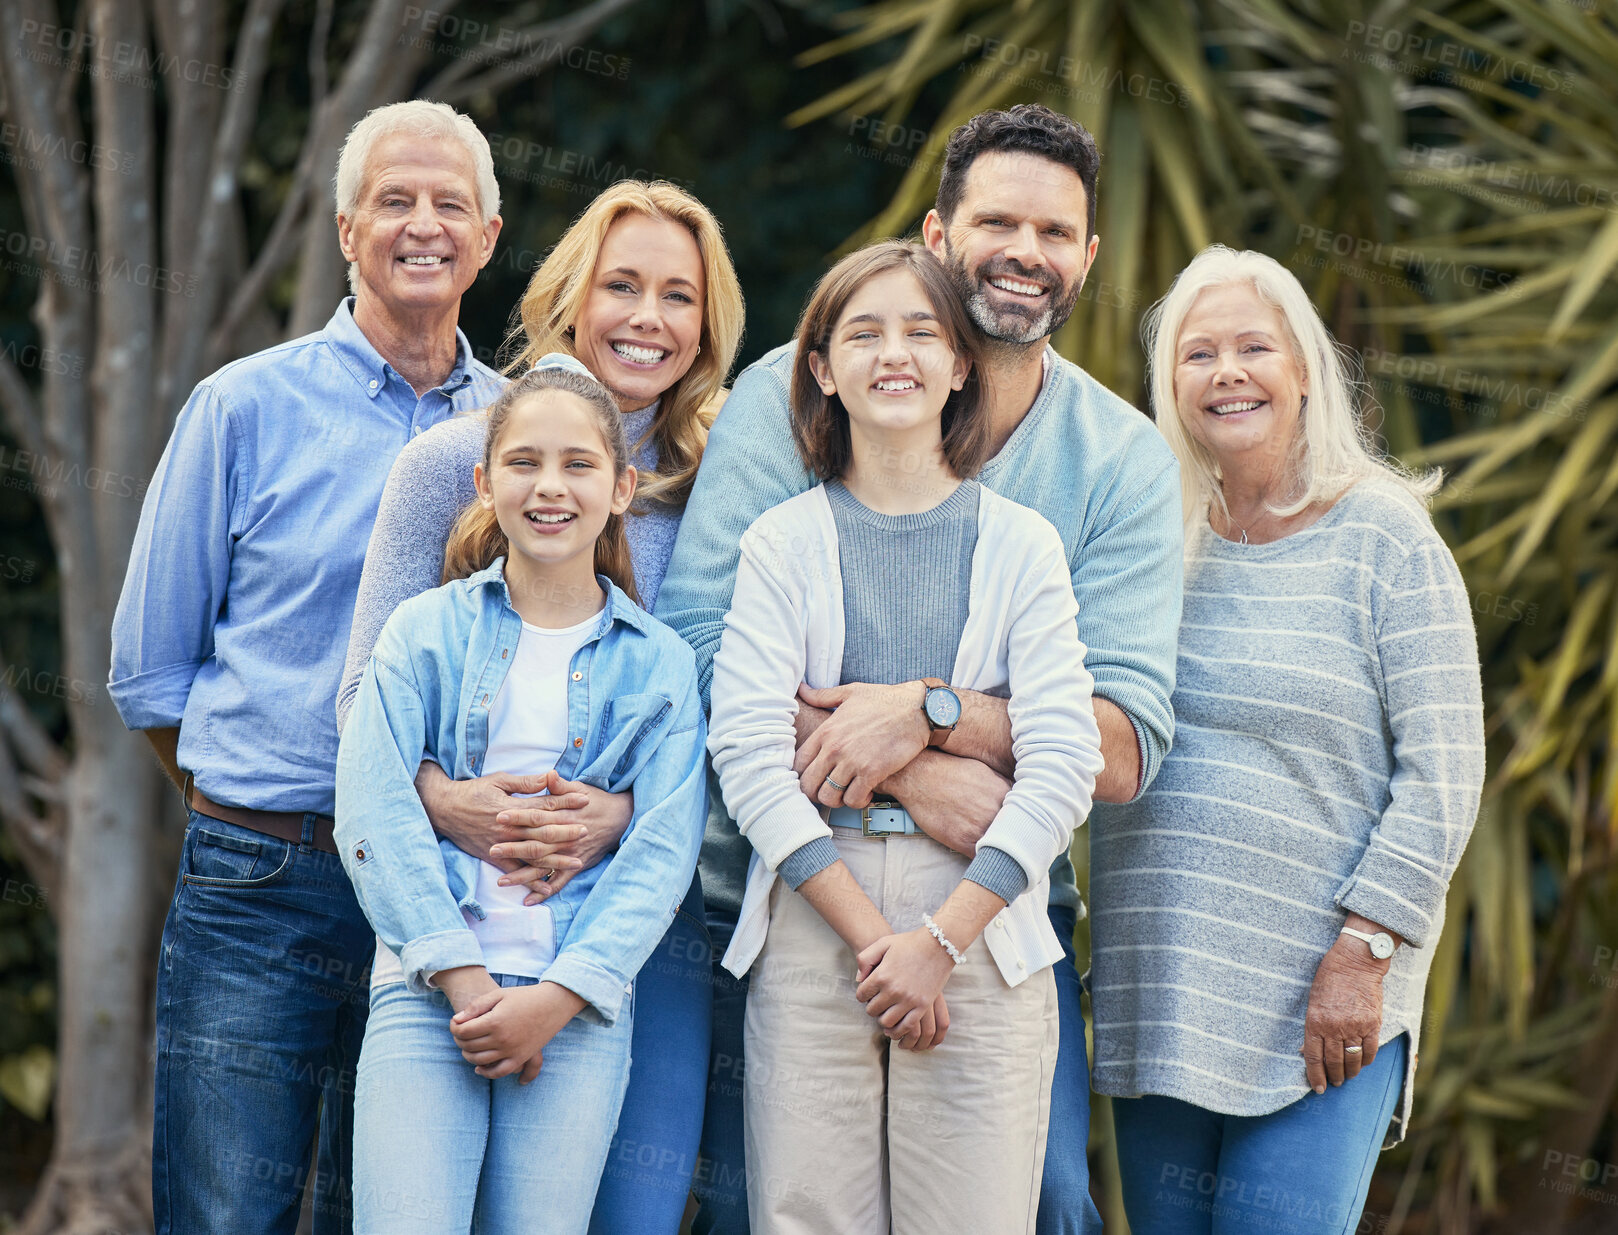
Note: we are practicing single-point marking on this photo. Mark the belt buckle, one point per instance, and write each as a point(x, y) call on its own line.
point(865, 817)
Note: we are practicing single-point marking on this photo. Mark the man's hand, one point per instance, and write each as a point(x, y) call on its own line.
point(466, 812)
point(508, 1029)
point(568, 830)
point(953, 799)
point(872, 733)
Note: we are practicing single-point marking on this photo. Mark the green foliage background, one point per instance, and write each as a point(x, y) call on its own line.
point(1441, 176)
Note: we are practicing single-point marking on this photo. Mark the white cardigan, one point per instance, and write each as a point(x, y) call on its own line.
point(1020, 641)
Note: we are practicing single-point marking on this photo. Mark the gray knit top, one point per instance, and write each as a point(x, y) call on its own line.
point(906, 587)
point(430, 484)
point(1328, 756)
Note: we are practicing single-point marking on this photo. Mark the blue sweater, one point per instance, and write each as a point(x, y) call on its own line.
point(1089, 462)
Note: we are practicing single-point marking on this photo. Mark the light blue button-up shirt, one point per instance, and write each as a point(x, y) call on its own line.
point(235, 612)
point(634, 721)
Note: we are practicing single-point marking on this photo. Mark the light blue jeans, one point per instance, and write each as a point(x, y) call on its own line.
point(438, 1148)
point(1302, 1170)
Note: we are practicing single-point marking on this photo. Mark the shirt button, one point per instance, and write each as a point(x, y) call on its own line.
point(578, 741)
point(1020, 965)
point(999, 925)
point(485, 698)
point(577, 676)
point(503, 652)
point(373, 383)
point(416, 432)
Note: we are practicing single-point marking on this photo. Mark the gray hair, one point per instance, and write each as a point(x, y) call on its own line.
point(413, 118)
point(1335, 447)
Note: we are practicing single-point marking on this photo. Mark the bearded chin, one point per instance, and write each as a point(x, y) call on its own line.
point(1007, 327)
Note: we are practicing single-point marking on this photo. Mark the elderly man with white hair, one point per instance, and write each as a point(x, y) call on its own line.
point(227, 650)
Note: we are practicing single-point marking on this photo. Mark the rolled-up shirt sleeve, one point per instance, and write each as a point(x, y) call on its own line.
point(1433, 697)
point(179, 566)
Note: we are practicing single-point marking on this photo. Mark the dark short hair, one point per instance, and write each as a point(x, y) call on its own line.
point(819, 420)
point(1028, 128)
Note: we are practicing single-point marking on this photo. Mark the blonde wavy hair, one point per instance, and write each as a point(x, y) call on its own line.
point(556, 296)
point(1335, 448)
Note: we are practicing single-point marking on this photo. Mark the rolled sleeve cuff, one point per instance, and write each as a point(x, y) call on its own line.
point(435, 953)
point(1151, 754)
point(808, 861)
point(154, 699)
point(1380, 890)
point(999, 872)
point(597, 985)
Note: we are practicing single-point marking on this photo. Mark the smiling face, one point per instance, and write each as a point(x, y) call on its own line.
point(550, 484)
point(1016, 248)
point(889, 362)
point(1238, 383)
point(416, 235)
point(641, 323)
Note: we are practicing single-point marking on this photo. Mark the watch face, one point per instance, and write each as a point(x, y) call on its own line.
point(1381, 945)
point(943, 707)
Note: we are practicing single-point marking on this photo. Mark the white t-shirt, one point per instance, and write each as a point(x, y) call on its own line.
point(527, 733)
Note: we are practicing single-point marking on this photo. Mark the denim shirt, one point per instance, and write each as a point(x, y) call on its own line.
point(234, 617)
point(634, 721)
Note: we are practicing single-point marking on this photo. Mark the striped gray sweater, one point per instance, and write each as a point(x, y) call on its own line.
point(1328, 756)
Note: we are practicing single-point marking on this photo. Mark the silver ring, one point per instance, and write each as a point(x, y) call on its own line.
point(835, 785)
point(1353, 1050)
point(545, 877)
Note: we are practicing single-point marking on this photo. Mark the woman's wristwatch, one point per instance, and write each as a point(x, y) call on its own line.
point(942, 707)
point(1381, 943)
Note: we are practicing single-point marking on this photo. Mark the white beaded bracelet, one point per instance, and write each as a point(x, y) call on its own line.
point(937, 933)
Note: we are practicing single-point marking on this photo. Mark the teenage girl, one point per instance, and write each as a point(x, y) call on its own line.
point(497, 1049)
point(863, 934)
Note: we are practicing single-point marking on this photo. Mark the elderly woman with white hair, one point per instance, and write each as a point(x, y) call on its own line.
point(1265, 914)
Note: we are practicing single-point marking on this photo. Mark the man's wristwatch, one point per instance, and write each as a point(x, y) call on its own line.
point(942, 707)
point(1381, 943)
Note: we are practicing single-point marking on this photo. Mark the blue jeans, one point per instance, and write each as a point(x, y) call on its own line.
point(654, 1151)
point(1065, 1207)
point(439, 1150)
point(1301, 1170)
point(261, 1002)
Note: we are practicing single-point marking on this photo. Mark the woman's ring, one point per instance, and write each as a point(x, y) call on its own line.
point(545, 877)
point(835, 785)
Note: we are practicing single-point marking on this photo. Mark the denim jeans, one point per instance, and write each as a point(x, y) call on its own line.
point(654, 1151)
point(1065, 1207)
point(439, 1150)
point(261, 1003)
point(1301, 1170)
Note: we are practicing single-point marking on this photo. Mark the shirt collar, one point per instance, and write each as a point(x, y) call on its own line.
point(359, 356)
point(619, 608)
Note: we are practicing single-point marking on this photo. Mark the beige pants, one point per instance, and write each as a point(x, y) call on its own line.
point(846, 1136)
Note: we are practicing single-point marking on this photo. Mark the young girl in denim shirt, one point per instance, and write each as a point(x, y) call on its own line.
point(497, 1048)
point(901, 1023)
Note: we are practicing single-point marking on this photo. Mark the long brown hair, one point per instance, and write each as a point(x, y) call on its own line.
point(557, 292)
point(476, 539)
point(819, 420)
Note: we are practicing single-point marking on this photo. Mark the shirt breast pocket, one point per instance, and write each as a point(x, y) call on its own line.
point(626, 727)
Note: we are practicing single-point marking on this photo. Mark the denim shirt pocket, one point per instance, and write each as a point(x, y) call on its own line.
point(626, 723)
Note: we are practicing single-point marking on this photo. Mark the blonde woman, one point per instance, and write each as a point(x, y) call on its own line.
point(641, 290)
point(1264, 916)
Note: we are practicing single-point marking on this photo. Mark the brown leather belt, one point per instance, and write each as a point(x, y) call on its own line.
point(284, 825)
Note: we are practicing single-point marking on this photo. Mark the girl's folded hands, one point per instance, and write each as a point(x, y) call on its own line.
point(506, 1029)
